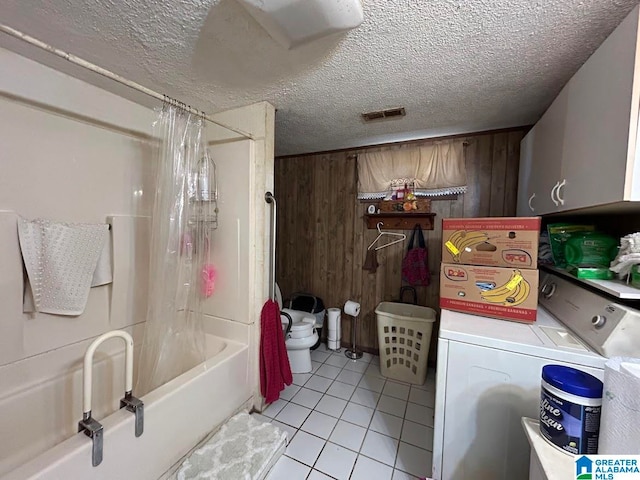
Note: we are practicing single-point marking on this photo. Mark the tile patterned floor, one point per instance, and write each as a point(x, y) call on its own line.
point(345, 421)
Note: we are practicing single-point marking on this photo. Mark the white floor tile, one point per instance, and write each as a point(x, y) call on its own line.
point(419, 414)
point(386, 424)
point(328, 371)
point(348, 435)
point(380, 447)
point(319, 356)
point(396, 390)
point(289, 392)
point(347, 376)
point(367, 469)
point(293, 415)
point(337, 361)
point(307, 398)
point(316, 475)
point(318, 383)
point(336, 461)
point(341, 390)
point(429, 385)
point(315, 366)
point(374, 371)
point(400, 475)
point(391, 405)
point(331, 406)
point(286, 468)
point(366, 357)
point(305, 448)
point(365, 397)
point(375, 384)
point(375, 360)
point(357, 414)
point(356, 366)
point(413, 460)
point(260, 417)
point(422, 397)
point(417, 435)
point(323, 348)
point(291, 431)
point(319, 424)
point(274, 408)
point(301, 378)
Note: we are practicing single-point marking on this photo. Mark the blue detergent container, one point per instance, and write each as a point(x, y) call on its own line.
point(570, 404)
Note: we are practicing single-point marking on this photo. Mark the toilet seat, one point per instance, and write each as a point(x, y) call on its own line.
point(301, 343)
point(302, 328)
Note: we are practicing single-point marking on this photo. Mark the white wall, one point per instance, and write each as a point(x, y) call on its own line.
point(72, 152)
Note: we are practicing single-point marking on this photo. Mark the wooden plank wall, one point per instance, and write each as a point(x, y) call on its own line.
point(322, 237)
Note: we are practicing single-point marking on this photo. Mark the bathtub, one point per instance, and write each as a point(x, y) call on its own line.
point(177, 416)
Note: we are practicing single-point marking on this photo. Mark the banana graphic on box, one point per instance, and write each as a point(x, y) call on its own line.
point(462, 240)
point(511, 293)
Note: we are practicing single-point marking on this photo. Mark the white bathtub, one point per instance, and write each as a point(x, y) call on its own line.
point(177, 416)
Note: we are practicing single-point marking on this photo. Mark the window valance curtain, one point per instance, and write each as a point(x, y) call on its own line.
point(435, 169)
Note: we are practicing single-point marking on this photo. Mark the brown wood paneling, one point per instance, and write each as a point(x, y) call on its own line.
point(323, 236)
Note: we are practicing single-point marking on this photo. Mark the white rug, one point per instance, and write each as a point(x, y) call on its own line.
point(243, 449)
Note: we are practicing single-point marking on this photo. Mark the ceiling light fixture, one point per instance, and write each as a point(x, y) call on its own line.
point(295, 22)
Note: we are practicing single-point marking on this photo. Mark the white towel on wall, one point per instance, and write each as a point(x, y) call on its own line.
point(60, 260)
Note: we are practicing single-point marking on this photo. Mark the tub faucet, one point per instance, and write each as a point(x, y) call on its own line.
point(91, 427)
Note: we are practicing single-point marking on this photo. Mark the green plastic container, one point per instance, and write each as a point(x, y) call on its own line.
point(635, 276)
point(591, 272)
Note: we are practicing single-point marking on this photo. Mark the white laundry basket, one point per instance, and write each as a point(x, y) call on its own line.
point(404, 336)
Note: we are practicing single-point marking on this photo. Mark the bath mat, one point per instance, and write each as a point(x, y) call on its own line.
point(243, 449)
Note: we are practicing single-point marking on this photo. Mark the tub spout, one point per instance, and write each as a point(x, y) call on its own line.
point(136, 406)
point(88, 425)
point(92, 429)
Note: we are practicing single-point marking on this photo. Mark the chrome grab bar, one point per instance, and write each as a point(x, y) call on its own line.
point(269, 198)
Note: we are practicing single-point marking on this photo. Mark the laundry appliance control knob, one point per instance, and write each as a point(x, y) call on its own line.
point(548, 289)
point(598, 321)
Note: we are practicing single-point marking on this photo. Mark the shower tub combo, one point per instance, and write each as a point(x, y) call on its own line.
point(177, 416)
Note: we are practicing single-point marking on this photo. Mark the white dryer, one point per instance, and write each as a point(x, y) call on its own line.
point(489, 373)
point(488, 378)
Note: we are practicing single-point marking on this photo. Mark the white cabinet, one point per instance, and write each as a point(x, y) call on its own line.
point(583, 150)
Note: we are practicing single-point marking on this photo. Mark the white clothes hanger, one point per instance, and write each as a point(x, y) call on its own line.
point(391, 234)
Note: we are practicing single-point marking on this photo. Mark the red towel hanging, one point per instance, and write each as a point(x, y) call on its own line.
point(275, 371)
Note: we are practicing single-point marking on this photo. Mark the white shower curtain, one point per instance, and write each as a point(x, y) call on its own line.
point(174, 337)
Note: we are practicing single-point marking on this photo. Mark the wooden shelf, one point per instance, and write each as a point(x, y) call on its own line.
point(617, 288)
point(400, 221)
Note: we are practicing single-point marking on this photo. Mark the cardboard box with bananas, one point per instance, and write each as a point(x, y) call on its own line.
point(496, 241)
point(506, 293)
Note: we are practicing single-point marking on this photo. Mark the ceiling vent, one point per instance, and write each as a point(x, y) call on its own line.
point(382, 114)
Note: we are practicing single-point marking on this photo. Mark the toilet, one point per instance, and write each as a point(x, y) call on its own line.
point(300, 338)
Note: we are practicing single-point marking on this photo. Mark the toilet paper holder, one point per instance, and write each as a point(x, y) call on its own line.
point(353, 309)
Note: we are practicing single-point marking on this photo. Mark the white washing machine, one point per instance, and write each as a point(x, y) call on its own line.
point(488, 378)
point(489, 374)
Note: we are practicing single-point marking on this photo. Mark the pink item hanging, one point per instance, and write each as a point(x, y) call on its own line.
point(208, 274)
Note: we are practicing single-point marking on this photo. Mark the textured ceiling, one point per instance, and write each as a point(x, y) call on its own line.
point(456, 65)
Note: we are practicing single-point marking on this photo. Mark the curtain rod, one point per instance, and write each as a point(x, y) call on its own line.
point(112, 76)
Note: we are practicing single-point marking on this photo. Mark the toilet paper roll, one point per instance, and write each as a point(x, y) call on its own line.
point(620, 418)
point(352, 308)
point(333, 344)
point(333, 319)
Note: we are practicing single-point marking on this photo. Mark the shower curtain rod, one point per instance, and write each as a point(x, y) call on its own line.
point(113, 76)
